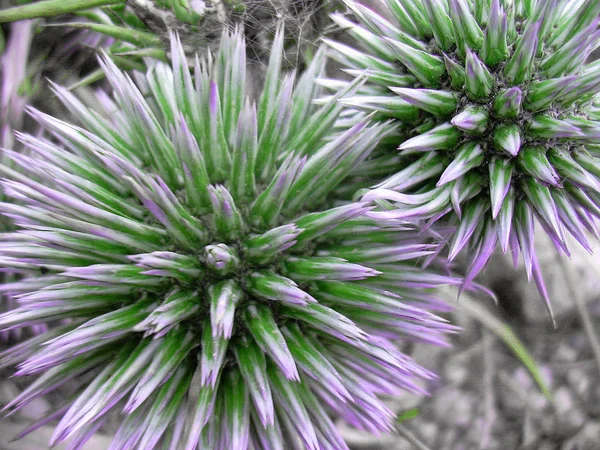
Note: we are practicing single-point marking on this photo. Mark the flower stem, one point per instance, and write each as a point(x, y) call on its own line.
point(411, 437)
point(51, 8)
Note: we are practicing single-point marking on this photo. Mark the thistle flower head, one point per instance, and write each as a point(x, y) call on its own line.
point(499, 113)
point(212, 292)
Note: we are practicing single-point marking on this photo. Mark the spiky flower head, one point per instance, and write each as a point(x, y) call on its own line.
point(500, 119)
point(197, 275)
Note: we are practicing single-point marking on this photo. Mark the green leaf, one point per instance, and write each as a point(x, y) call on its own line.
point(408, 415)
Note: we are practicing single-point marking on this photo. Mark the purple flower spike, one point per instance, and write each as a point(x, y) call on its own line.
point(210, 283)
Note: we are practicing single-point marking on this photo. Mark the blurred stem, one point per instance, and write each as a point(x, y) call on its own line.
point(506, 334)
point(489, 396)
point(51, 8)
point(410, 437)
point(584, 314)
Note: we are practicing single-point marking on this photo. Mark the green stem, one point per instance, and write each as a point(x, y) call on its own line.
point(51, 8)
point(504, 332)
point(411, 437)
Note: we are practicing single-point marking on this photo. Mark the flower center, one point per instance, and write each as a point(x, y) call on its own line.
point(222, 259)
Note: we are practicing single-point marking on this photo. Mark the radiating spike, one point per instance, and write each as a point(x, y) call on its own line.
point(501, 170)
point(571, 53)
point(236, 411)
point(478, 80)
point(414, 12)
point(267, 335)
point(495, 46)
point(442, 137)
point(469, 156)
point(289, 400)
point(571, 171)
point(518, 67)
point(524, 228)
point(466, 30)
point(253, 367)
point(169, 356)
point(569, 218)
point(381, 27)
point(548, 127)
point(542, 93)
point(320, 268)
point(204, 408)
point(540, 198)
point(505, 219)
point(508, 103)
point(508, 139)
point(224, 297)
point(414, 24)
point(349, 56)
point(438, 103)
point(264, 247)
point(482, 254)
point(473, 119)
point(534, 162)
point(314, 363)
point(315, 224)
point(428, 69)
point(278, 288)
point(441, 25)
point(456, 72)
point(389, 105)
point(227, 219)
point(242, 183)
point(165, 406)
point(472, 214)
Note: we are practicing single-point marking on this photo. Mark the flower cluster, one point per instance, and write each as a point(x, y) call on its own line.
point(499, 115)
point(196, 271)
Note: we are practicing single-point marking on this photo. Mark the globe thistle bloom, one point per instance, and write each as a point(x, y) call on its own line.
point(197, 274)
point(499, 113)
